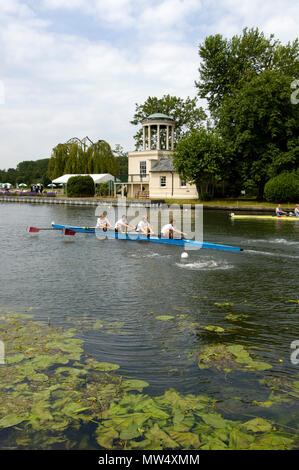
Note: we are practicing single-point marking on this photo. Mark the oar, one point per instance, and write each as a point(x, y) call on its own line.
point(36, 229)
point(65, 231)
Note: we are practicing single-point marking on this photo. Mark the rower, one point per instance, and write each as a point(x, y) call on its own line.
point(144, 227)
point(296, 211)
point(279, 212)
point(103, 222)
point(122, 225)
point(168, 230)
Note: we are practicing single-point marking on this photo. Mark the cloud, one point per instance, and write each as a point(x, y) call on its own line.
point(65, 82)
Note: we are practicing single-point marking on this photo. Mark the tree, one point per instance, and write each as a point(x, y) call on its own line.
point(226, 64)
point(80, 186)
point(76, 157)
point(186, 113)
point(261, 126)
point(283, 188)
point(121, 160)
point(28, 172)
point(201, 158)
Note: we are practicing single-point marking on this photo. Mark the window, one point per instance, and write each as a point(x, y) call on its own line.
point(142, 168)
point(163, 181)
point(183, 183)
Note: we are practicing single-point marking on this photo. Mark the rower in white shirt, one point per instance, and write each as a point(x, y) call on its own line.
point(103, 222)
point(144, 227)
point(122, 225)
point(168, 230)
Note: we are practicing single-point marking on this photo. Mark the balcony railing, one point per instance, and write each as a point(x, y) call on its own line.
point(136, 178)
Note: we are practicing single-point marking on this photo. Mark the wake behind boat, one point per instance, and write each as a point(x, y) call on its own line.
point(137, 236)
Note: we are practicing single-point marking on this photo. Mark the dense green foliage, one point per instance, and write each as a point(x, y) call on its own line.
point(80, 186)
point(57, 397)
point(186, 113)
point(248, 82)
point(227, 64)
point(103, 189)
point(202, 159)
point(121, 160)
point(261, 126)
point(283, 188)
point(73, 157)
point(28, 172)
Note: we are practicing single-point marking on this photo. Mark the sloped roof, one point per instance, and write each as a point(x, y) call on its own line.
point(159, 116)
point(163, 165)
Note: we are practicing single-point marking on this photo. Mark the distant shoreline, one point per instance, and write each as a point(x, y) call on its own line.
point(235, 205)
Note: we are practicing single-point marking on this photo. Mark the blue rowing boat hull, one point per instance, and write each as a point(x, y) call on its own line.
point(138, 237)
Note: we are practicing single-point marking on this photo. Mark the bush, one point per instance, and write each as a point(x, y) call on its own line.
point(282, 188)
point(103, 189)
point(80, 186)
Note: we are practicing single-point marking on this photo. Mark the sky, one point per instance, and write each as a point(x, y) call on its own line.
point(71, 68)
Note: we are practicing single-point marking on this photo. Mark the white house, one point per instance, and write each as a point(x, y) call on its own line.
point(150, 171)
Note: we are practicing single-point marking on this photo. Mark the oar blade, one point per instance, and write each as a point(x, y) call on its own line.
point(33, 229)
point(68, 231)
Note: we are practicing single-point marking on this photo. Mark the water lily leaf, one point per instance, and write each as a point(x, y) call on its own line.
point(134, 384)
point(214, 419)
point(272, 441)
point(105, 437)
point(12, 420)
point(129, 433)
point(15, 358)
point(239, 440)
point(217, 329)
point(106, 366)
point(98, 325)
point(164, 317)
point(223, 305)
point(212, 443)
point(187, 440)
point(258, 425)
point(160, 438)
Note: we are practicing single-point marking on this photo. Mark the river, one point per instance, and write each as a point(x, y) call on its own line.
point(64, 280)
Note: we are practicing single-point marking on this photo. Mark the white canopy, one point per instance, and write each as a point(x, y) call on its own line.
point(97, 178)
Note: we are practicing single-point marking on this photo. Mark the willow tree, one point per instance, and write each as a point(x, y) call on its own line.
point(76, 157)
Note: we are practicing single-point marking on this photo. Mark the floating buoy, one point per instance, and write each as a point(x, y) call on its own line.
point(184, 255)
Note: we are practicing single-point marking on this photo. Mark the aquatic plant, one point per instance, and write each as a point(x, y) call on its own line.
point(55, 396)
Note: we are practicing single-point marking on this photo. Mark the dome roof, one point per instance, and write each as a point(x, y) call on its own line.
point(159, 116)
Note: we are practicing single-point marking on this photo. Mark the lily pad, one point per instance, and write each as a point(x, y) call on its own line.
point(164, 317)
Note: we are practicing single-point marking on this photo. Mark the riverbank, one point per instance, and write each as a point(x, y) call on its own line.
point(228, 205)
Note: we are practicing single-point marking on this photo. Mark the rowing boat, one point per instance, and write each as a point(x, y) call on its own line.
point(265, 217)
point(153, 239)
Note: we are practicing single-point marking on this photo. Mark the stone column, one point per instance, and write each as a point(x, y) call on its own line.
point(143, 137)
point(149, 138)
point(167, 137)
point(158, 137)
point(172, 137)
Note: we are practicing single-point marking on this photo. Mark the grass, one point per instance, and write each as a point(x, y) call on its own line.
point(230, 203)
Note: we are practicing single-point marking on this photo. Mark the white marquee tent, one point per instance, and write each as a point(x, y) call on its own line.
point(97, 178)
